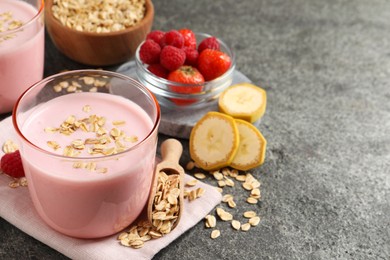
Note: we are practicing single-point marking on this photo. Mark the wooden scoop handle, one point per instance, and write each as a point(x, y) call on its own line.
point(171, 150)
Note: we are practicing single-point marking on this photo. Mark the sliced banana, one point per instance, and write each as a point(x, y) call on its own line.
point(243, 101)
point(252, 147)
point(214, 141)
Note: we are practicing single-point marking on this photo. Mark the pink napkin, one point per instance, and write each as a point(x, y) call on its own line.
point(16, 207)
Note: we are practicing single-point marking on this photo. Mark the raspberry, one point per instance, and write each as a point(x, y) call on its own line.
point(158, 70)
point(149, 52)
point(191, 56)
point(155, 35)
point(172, 58)
point(11, 164)
point(209, 43)
point(173, 38)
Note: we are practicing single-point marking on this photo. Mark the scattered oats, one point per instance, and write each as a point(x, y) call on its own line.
point(88, 80)
point(23, 182)
point(119, 122)
point(93, 89)
point(241, 178)
point(211, 221)
point(245, 227)
point(57, 88)
point(250, 214)
point(71, 89)
point(99, 83)
point(229, 182)
point(247, 186)
point(234, 173)
point(227, 197)
point(251, 200)
point(78, 165)
point(192, 195)
point(102, 170)
point(54, 145)
point(10, 146)
point(87, 108)
point(200, 192)
point(236, 224)
point(254, 221)
point(224, 215)
point(255, 193)
point(91, 166)
point(215, 233)
point(191, 183)
point(220, 190)
point(217, 175)
point(78, 144)
point(231, 204)
point(131, 139)
point(221, 183)
point(200, 175)
point(14, 184)
point(225, 171)
point(190, 165)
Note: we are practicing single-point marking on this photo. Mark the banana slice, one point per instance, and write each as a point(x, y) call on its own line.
point(243, 101)
point(251, 151)
point(214, 141)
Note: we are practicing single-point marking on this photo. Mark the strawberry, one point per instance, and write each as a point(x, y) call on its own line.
point(11, 164)
point(213, 63)
point(187, 75)
point(189, 38)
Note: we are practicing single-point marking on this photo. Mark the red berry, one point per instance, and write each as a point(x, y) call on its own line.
point(213, 63)
point(158, 70)
point(155, 35)
point(173, 38)
point(189, 38)
point(172, 58)
point(191, 56)
point(11, 164)
point(209, 43)
point(186, 75)
point(149, 52)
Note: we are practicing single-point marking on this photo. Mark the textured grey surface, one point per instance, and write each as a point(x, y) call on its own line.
point(326, 178)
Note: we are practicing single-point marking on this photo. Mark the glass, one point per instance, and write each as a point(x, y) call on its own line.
point(21, 48)
point(88, 142)
point(210, 90)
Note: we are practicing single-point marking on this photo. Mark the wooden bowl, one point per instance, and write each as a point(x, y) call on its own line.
point(98, 49)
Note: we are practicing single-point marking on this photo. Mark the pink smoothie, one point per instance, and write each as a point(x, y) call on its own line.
point(79, 201)
point(22, 56)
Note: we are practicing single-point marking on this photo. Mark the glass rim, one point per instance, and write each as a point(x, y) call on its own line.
point(46, 80)
point(24, 25)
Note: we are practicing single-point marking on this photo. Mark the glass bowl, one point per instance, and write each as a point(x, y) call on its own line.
point(162, 88)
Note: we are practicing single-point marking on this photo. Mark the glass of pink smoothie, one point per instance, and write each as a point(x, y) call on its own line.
point(21, 48)
point(88, 143)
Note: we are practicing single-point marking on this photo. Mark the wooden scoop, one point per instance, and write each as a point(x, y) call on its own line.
point(171, 150)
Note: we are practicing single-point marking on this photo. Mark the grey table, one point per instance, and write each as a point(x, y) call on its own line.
point(326, 180)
